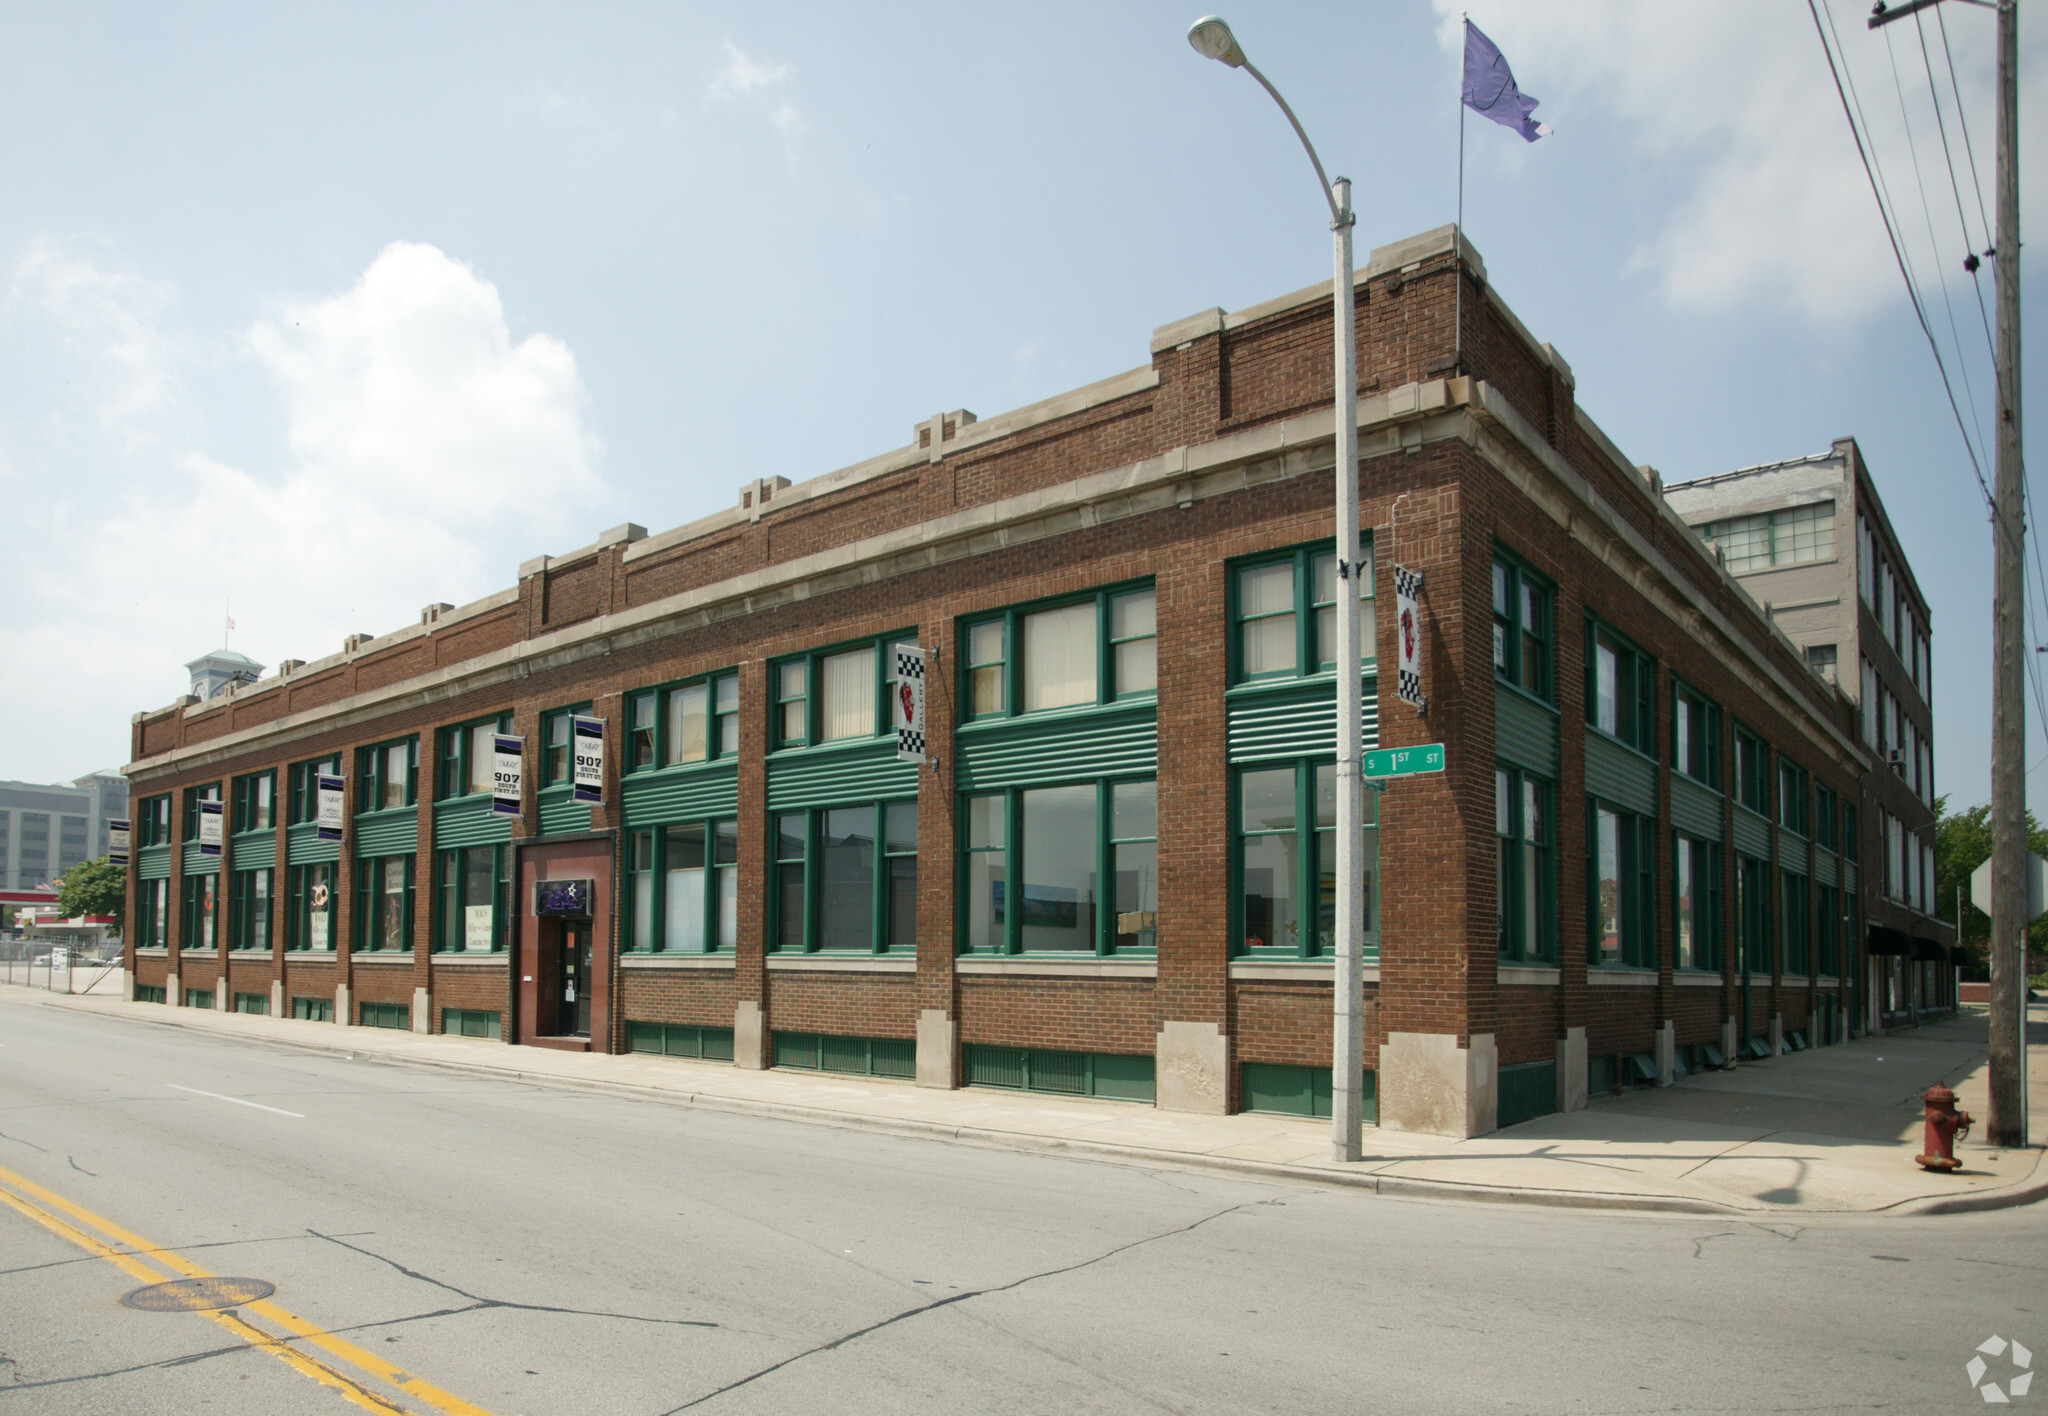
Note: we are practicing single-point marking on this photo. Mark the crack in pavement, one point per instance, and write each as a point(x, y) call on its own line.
point(948, 1301)
point(81, 1169)
point(166, 1364)
point(479, 1302)
point(20, 1142)
point(182, 1248)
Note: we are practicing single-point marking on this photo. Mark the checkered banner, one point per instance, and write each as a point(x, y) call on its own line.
point(1408, 624)
point(909, 699)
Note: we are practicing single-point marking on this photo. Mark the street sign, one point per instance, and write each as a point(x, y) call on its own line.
point(2037, 887)
point(1404, 761)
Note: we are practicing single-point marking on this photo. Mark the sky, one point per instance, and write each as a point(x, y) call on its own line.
point(313, 316)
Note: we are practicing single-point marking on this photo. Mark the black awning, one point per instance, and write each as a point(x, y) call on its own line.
point(1889, 942)
point(1962, 958)
point(1927, 951)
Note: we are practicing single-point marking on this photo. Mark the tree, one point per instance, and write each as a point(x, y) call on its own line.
point(1962, 842)
point(95, 887)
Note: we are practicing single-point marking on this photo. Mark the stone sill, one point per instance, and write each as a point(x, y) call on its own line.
point(462, 958)
point(1295, 971)
point(1059, 968)
point(1695, 980)
point(394, 960)
point(1539, 974)
point(161, 952)
point(676, 961)
point(813, 963)
point(1621, 978)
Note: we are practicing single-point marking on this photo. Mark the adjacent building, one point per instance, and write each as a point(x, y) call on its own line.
point(1112, 874)
point(44, 830)
point(1810, 540)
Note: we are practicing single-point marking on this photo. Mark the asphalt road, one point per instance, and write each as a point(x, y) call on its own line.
point(463, 1245)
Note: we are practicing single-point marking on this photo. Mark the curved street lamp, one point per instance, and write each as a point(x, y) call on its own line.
point(1212, 39)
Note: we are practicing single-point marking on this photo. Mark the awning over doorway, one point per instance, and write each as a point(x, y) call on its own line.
point(1927, 951)
point(1887, 941)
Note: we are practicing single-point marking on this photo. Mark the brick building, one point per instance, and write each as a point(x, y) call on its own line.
point(1110, 879)
point(1854, 607)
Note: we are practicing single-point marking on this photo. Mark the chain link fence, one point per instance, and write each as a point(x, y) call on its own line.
point(60, 968)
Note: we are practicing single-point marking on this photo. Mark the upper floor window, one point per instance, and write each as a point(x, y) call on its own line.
point(389, 775)
point(1791, 796)
point(1079, 654)
point(835, 695)
point(152, 823)
point(1821, 659)
point(469, 756)
point(557, 745)
point(1620, 680)
point(1526, 897)
point(1869, 703)
point(193, 796)
point(1824, 820)
point(305, 784)
point(1521, 628)
point(1284, 608)
point(683, 723)
point(255, 802)
point(1866, 563)
point(1850, 840)
point(1752, 772)
point(1795, 537)
point(1696, 736)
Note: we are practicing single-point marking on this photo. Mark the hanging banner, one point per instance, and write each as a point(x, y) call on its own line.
point(909, 697)
point(328, 806)
point(507, 774)
point(1408, 625)
point(586, 755)
point(209, 828)
point(117, 843)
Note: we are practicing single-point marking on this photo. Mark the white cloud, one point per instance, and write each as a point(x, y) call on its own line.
point(1736, 100)
point(112, 320)
point(748, 79)
point(428, 452)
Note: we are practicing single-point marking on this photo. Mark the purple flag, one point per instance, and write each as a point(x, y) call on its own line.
point(1490, 88)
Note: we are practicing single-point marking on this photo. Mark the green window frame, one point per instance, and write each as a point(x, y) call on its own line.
point(383, 1015)
point(1283, 613)
point(193, 796)
point(1825, 819)
point(1752, 772)
point(1792, 796)
point(387, 775)
point(557, 749)
point(1828, 922)
point(310, 907)
point(1752, 917)
point(152, 821)
point(313, 1010)
point(835, 694)
point(465, 751)
point(1525, 830)
point(1696, 904)
point(1621, 893)
point(1796, 922)
point(1084, 833)
point(683, 724)
point(682, 888)
point(201, 914)
point(1851, 841)
point(1283, 861)
point(1695, 735)
point(305, 786)
point(844, 880)
point(152, 904)
point(384, 922)
point(1620, 688)
point(1073, 652)
point(255, 802)
point(466, 878)
point(1799, 535)
point(249, 895)
point(1524, 645)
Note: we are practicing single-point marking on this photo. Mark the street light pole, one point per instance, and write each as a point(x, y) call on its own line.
point(1212, 38)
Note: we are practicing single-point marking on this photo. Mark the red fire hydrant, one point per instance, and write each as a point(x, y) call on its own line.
point(1945, 1126)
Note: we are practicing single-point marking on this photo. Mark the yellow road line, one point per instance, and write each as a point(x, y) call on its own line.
point(137, 1266)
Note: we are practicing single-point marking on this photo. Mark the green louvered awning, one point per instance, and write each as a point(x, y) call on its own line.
point(1271, 724)
point(675, 794)
point(1060, 748)
point(839, 774)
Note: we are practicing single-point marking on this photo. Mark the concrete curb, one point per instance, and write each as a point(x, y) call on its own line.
point(1394, 1186)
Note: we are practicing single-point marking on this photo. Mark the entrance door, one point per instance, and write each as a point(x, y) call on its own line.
point(572, 982)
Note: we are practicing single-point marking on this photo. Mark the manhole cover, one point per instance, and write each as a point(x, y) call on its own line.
point(198, 1295)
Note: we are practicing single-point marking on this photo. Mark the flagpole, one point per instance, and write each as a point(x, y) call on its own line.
point(1458, 232)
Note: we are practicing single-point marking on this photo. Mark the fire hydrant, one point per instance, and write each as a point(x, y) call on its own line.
point(1945, 1126)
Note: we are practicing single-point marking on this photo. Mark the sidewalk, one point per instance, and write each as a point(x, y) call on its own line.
point(1831, 1129)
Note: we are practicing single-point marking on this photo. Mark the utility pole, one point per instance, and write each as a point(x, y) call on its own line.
point(2007, 1123)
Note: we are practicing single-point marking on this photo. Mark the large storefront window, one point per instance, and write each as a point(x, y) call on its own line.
point(845, 880)
point(1797, 896)
point(684, 884)
point(471, 914)
point(384, 904)
point(1622, 897)
point(310, 923)
point(202, 909)
point(152, 898)
point(1036, 860)
point(249, 910)
point(1285, 862)
point(1696, 882)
